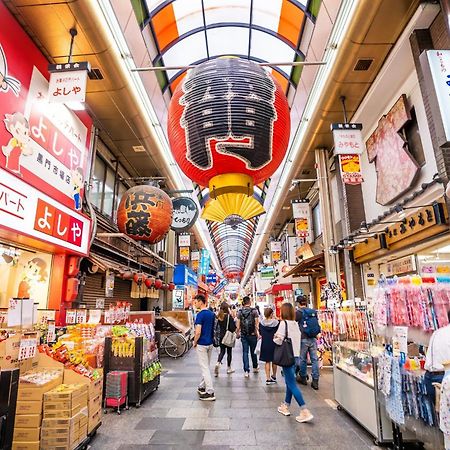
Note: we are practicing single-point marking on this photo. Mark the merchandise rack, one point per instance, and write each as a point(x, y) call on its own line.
point(134, 365)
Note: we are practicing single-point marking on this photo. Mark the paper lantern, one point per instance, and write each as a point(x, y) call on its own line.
point(171, 286)
point(149, 282)
point(139, 278)
point(127, 275)
point(158, 284)
point(229, 129)
point(145, 214)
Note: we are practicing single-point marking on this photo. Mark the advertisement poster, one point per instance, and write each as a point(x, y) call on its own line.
point(178, 297)
point(275, 250)
point(400, 340)
point(351, 169)
point(184, 240)
point(184, 253)
point(301, 212)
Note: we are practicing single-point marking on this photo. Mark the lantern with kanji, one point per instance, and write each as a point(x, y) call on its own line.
point(229, 129)
point(145, 214)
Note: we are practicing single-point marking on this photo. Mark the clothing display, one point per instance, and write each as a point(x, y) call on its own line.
point(394, 405)
point(444, 408)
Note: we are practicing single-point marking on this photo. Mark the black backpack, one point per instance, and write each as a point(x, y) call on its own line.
point(247, 322)
point(216, 333)
point(309, 323)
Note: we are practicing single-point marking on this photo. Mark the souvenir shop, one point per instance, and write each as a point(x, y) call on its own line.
point(406, 271)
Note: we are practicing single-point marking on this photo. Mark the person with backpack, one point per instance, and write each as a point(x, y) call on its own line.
point(287, 339)
point(308, 323)
point(225, 322)
point(248, 331)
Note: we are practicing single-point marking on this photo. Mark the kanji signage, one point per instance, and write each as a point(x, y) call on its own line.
point(275, 250)
point(24, 208)
point(302, 215)
point(204, 262)
point(67, 87)
point(185, 213)
point(184, 253)
point(184, 240)
point(389, 152)
point(350, 169)
point(347, 138)
point(44, 143)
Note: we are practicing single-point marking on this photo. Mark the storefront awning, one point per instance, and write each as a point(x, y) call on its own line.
point(105, 263)
point(310, 266)
point(276, 288)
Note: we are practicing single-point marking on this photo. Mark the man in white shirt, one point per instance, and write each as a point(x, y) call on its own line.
point(438, 352)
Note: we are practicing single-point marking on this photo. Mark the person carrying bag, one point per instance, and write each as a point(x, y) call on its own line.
point(287, 348)
point(226, 337)
point(229, 339)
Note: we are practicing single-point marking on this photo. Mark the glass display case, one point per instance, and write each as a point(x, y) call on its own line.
point(354, 371)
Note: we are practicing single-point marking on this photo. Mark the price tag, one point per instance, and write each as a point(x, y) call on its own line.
point(81, 316)
point(51, 331)
point(28, 347)
point(71, 316)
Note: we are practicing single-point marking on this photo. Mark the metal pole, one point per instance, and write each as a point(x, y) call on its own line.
point(73, 32)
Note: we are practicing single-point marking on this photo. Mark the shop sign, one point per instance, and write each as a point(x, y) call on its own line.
point(386, 148)
point(204, 262)
point(401, 266)
point(185, 213)
point(439, 64)
point(304, 252)
point(182, 275)
point(67, 86)
point(293, 244)
point(211, 278)
point(267, 273)
point(301, 212)
point(350, 169)
point(275, 250)
point(28, 347)
point(195, 255)
point(347, 138)
point(24, 208)
point(184, 253)
point(195, 264)
point(266, 258)
point(184, 240)
point(44, 143)
point(178, 297)
point(220, 286)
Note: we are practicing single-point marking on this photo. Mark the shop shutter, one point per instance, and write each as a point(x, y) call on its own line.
point(95, 288)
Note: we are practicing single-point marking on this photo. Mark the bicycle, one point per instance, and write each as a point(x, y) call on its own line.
point(174, 345)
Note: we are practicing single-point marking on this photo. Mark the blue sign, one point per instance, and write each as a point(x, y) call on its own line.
point(211, 278)
point(182, 275)
point(220, 286)
point(204, 262)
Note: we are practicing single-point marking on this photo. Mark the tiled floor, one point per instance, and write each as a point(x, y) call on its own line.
point(244, 416)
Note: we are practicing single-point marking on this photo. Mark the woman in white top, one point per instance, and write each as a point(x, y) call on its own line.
point(292, 389)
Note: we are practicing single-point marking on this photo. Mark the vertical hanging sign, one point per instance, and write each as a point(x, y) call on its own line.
point(195, 258)
point(275, 250)
point(204, 262)
point(350, 169)
point(302, 216)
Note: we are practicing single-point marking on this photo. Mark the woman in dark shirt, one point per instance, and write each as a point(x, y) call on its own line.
point(267, 329)
point(226, 322)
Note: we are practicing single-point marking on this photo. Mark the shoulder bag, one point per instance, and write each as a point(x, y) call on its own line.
point(229, 339)
point(284, 354)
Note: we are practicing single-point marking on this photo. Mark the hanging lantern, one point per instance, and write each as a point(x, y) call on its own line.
point(229, 129)
point(149, 282)
point(139, 278)
point(145, 214)
point(171, 286)
point(158, 284)
point(127, 275)
point(165, 287)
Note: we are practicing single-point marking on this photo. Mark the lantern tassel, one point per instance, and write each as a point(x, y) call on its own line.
point(217, 210)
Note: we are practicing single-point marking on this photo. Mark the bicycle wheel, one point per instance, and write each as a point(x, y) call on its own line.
point(175, 345)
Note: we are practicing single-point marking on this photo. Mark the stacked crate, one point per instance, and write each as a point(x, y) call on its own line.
point(27, 425)
point(65, 417)
point(116, 393)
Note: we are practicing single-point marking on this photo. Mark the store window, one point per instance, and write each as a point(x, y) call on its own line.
point(24, 274)
point(411, 135)
point(317, 221)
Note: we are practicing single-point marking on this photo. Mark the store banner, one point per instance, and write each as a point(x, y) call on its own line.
point(67, 86)
point(184, 240)
point(24, 208)
point(275, 250)
point(195, 256)
point(347, 138)
point(350, 169)
point(211, 278)
point(195, 265)
point(184, 253)
point(204, 262)
point(185, 213)
point(220, 287)
point(44, 143)
point(293, 244)
point(301, 212)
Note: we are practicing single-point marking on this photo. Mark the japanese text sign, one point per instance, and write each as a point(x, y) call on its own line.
point(184, 240)
point(24, 208)
point(302, 214)
point(347, 138)
point(350, 169)
point(67, 86)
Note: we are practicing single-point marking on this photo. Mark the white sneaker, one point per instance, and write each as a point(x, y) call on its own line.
point(256, 370)
point(246, 374)
point(216, 369)
point(230, 370)
point(305, 416)
point(284, 409)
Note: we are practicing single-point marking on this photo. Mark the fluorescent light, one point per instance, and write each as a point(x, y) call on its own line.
point(337, 35)
point(76, 106)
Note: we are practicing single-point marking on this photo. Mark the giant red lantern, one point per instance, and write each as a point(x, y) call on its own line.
point(145, 214)
point(229, 129)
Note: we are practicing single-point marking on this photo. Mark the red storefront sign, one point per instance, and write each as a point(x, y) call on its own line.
point(44, 143)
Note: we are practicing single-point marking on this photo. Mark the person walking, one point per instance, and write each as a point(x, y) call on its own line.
point(309, 327)
point(248, 331)
point(226, 323)
point(267, 328)
point(203, 342)
point(289, 326)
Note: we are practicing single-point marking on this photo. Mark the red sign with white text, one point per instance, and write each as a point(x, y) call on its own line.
point(44, 143)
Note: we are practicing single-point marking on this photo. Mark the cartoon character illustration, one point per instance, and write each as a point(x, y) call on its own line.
point(34, 272)
point(17, 146)
point(77, 183)
point(7, 83)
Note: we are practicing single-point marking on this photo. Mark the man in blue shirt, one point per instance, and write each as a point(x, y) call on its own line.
point(203, 342)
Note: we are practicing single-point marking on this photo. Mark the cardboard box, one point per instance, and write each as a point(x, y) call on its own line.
point(67, 392)
point(95, 403)
point(45, 361)
point(30, 391)
point(94, 419)
point(35, 445)
point(27, 434)
point(95, 387)
point(28, 407)
point(28, 421)
point(63, 413)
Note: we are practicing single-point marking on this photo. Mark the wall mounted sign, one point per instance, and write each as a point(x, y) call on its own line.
point(184, 253)
point(178, 297)
point(275, 250)
point(301, 212)
point(67, 86)
point(350, 169)
point(388, 151)
point(220, 286)
point(347, 138)
point(24, 208)
point(184, 240)
point(204, 262)
point(185, 213)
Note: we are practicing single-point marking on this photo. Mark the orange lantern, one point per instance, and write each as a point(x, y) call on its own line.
point(145, 214)
point(158, 284)
point(149, 282)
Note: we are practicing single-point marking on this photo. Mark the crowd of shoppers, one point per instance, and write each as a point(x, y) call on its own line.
point(297, 331)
